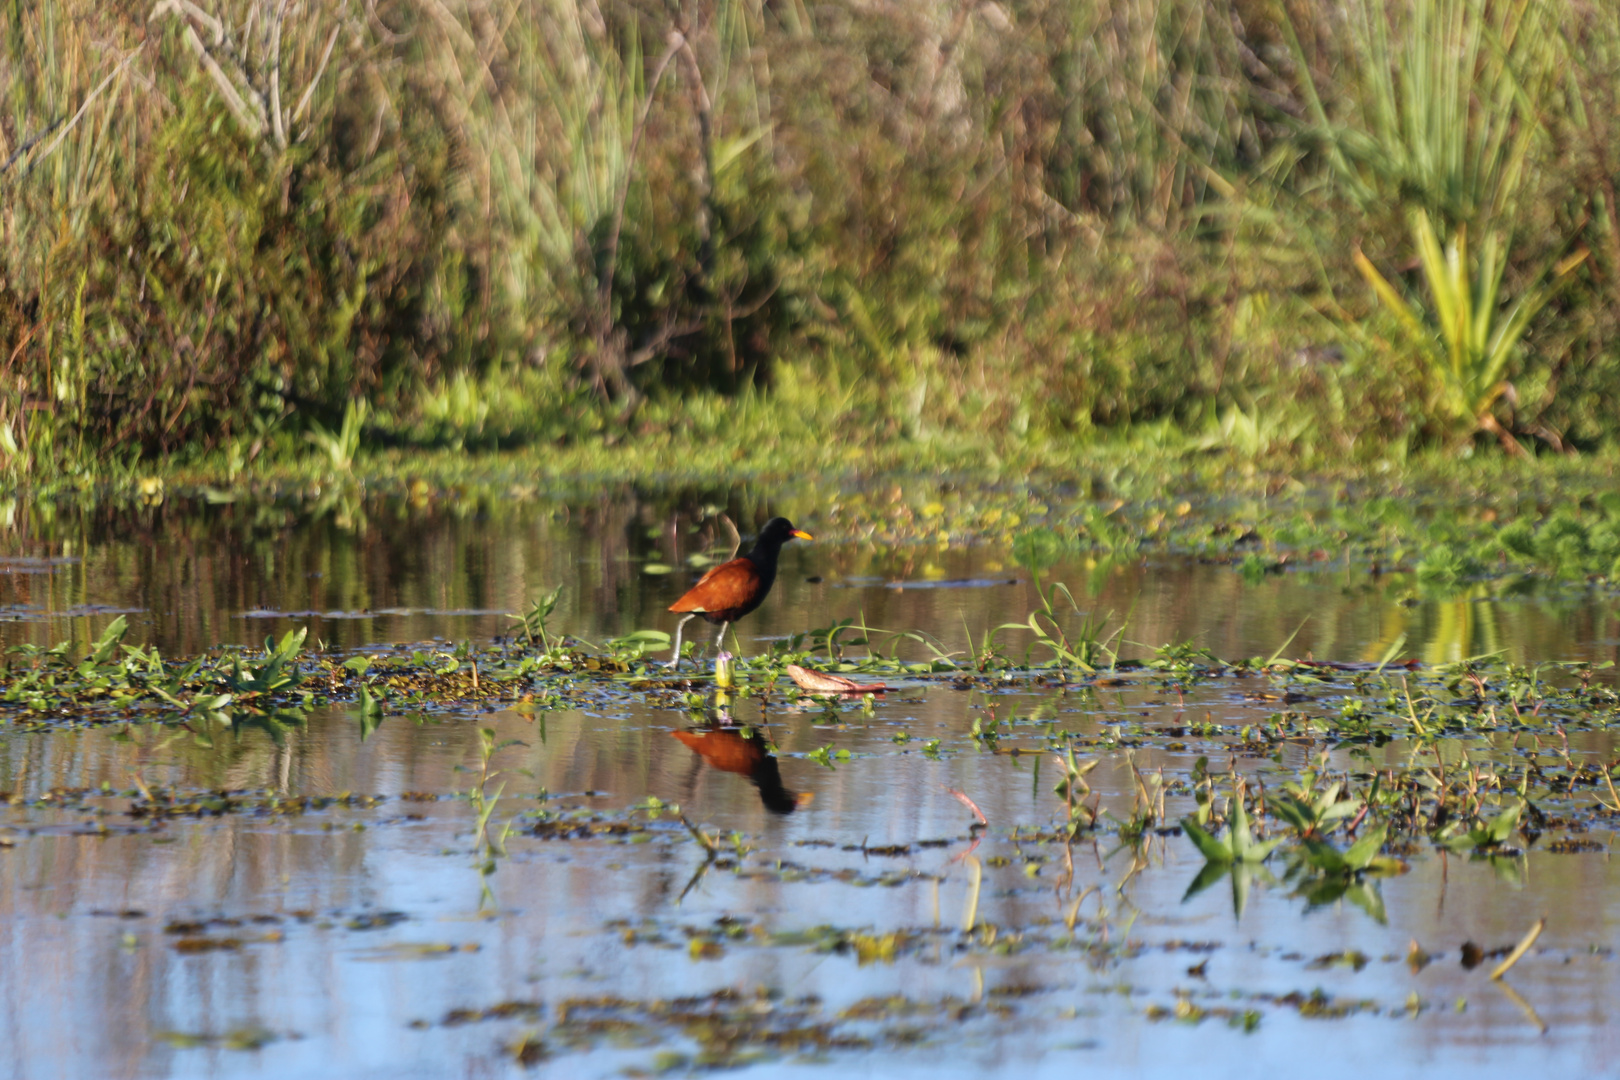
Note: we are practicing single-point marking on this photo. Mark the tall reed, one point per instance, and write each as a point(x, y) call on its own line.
point(1444, 104)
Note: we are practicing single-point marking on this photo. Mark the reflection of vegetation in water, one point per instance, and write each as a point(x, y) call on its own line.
point(1463, 628)
point(488, 848)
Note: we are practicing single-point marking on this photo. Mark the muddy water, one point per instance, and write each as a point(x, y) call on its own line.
point(284, 929)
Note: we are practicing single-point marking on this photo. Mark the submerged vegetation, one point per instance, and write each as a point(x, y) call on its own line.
point(223, 225)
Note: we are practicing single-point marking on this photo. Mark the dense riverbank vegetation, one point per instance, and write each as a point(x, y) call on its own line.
point(1324, 233)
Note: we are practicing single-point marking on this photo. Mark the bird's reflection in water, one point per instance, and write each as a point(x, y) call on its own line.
point(728, 750)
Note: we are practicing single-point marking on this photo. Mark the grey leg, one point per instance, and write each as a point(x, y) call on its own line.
point(720, 638)
point(676, 661)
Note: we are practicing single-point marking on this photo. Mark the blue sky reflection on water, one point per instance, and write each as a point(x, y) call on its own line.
point(359, 931)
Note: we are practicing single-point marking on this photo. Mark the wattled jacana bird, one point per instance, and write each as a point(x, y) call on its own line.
point(733, 589)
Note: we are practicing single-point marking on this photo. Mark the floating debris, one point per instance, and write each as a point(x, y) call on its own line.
point(818, 682)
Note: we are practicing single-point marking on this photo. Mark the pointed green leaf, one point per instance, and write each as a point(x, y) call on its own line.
point(1212, 849)
point(1363, 851)
point(168, 697)
point(107, 644)
point(1502, 827)
point(1257, 852)
point(1292, 811)
point(1391, 298)
point(291, 642)
point(1238, 836)
point(1325, 857)
point(1340, 809)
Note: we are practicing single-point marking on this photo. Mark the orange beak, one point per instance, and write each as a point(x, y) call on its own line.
point(800, 534)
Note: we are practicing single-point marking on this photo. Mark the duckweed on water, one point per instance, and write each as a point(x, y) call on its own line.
point(1516, 716)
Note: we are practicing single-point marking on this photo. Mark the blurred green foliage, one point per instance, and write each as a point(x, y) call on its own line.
point(536, 221)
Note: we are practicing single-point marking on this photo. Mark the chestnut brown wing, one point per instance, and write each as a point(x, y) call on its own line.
point(724, 750)
point(727, 592)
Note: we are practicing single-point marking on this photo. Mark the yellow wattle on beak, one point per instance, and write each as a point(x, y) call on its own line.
point(800, 534)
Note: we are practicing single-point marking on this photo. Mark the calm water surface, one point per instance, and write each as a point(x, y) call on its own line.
point(358, 938)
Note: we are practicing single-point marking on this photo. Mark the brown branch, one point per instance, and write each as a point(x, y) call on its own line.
point(1489, 423)
point(276, 127)
point(309, 93)
point(84, 108)
point(254, 120)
